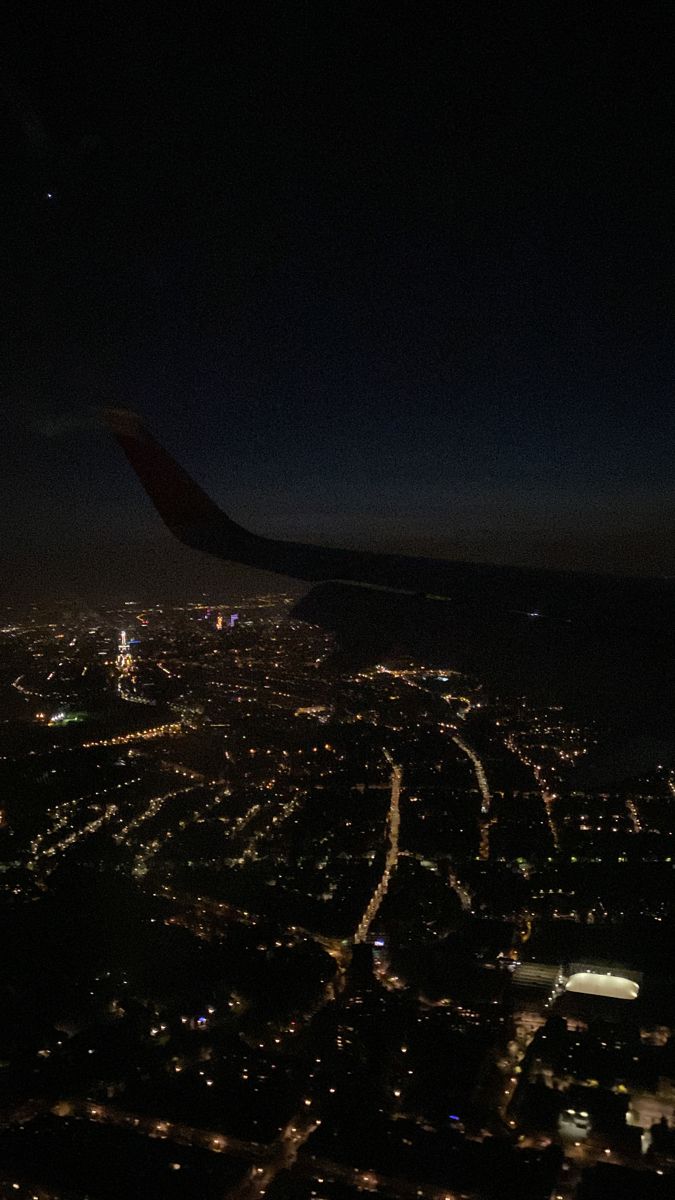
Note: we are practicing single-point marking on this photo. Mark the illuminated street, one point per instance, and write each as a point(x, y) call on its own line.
point(391, 859)
point(281, 928)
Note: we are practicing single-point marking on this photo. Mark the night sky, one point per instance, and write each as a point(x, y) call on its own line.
point(389, 275)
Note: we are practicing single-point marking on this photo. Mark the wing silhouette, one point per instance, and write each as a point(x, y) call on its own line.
point(597, 638)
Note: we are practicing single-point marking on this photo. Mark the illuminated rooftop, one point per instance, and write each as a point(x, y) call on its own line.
point(613, 987)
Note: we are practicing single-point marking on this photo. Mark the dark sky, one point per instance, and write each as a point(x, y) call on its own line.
point(384, 274)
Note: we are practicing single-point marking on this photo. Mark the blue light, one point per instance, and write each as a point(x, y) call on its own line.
point(453, 1117)
point(201, 1020)
point(378, 942)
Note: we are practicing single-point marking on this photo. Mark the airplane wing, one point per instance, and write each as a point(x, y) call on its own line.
point(580, 635)
point(195, 520)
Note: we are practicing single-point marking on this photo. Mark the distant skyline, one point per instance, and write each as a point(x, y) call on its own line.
point(392, 277)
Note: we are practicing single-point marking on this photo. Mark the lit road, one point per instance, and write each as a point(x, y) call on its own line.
point(268, 1159)
point(93, 826)
point(465, 701)
point(273, 822)
point(393, 823)
point(462, 893)
point(321, 1169)
point(481, 780)
point(210, 915)
point(173, 1131)
point(634, 815)
point(63, 818)
point(138, 735)
point(148, 850)
point(153, 807)
point(481, 777)
point(171, 729)
point(284, 1152)
point(62, 814)
point(548, 797)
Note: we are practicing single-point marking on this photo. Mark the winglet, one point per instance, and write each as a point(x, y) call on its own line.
point(194, 519)
point(180, 502)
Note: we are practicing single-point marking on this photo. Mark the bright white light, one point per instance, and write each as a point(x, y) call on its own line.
point(614, 987)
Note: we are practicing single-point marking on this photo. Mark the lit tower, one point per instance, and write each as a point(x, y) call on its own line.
point(124, 660)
